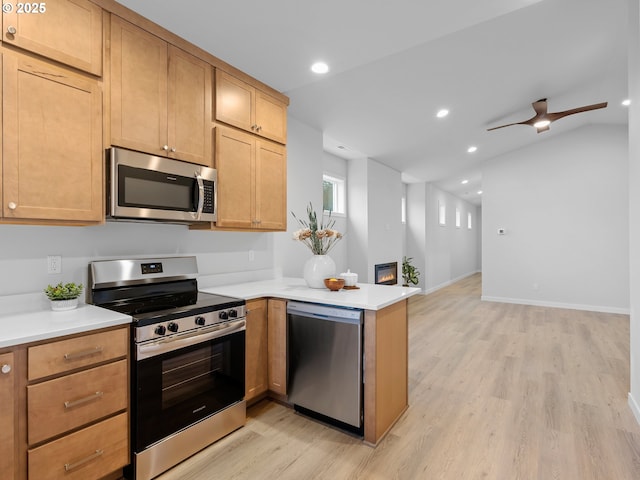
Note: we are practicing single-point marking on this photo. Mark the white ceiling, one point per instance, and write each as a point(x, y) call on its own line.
point(394, 64)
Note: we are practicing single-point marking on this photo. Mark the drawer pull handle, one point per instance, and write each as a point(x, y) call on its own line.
point(70, 466)
point(83, 353)
point(90, 398)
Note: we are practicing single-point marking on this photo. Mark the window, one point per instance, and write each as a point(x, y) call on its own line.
point(458, 218)
point(469, 220)
point(333, 194)
point(442, 213)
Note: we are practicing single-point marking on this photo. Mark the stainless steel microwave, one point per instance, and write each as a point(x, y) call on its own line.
point(141, 186)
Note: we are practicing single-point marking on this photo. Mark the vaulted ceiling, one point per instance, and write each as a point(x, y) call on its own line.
point(393, 65)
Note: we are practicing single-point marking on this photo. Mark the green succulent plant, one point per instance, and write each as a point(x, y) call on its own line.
point(63, 292)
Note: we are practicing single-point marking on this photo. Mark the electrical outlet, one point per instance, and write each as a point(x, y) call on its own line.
point(54, 264)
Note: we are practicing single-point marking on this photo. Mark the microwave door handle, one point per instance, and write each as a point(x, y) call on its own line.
point(200, 196)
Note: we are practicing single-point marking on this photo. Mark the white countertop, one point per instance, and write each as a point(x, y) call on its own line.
point(28, 318)
point(367, 297)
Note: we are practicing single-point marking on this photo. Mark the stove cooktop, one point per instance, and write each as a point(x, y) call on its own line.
point(160, 308)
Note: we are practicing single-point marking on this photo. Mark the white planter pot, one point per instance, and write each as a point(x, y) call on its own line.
point(62, 305)
point(317, 268)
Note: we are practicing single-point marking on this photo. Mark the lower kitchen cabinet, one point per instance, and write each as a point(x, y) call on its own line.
point(65, 407)
point(7, 418)
point(256, 375)
point(90, 453)
point(277, 345)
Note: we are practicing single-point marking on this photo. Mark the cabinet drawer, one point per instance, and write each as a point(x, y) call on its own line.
point(59, 405)
point(65, 355)
point(89, 453)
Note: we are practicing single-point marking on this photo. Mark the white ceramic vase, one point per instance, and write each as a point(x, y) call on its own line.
point(62, 305)
point(317, 268)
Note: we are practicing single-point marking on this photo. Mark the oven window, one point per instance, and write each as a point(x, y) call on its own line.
point(179, 388)
point(191, 374)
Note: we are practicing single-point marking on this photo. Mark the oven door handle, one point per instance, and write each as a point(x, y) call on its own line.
point(170, 344)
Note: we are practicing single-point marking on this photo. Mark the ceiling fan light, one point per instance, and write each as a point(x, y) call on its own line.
point(542, 123)
point(320, 68)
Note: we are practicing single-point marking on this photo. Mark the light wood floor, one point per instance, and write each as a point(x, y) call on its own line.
point(497, 391)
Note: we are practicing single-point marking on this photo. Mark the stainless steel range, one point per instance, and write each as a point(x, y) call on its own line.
point(188, 358)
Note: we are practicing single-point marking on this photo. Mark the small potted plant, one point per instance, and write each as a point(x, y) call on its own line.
point(63, 296)
point(410, 273)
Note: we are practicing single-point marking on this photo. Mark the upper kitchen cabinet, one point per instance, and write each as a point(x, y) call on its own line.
point(67, 31)
point(160, 96)
point(52, 143)
point(252, 181)
point(246, 107)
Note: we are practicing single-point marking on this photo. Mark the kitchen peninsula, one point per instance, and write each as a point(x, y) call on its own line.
point(385, 339)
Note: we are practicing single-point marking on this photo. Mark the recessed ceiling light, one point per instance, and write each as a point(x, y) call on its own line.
point(464, 182)
point(320, 67)
point(479, 192)
point(442, 113)
point(472, 149)
point(342, 147)
point(626, 102)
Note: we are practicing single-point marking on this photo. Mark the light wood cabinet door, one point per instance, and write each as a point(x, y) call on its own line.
point(68, 31)
point(189, 115)
point(59, 405)
point(93, 452)
point(256, 376)
point(160, 96)
point(7, 392)
point(234, 101)
point(271, 186)
point(52, 143)
point(277, 345)
point(235, 163)
point(270, 117)
point(139, 88)
point(61, 356)
point(252, 181)
point(246, 107)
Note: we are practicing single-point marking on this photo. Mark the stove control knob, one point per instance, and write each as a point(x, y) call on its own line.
point(173, 327)
point(160, 330)
point(233, 313)
point(200, 321)
point(223, 315)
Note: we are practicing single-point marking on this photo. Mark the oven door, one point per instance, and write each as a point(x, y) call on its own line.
point(146, 187)
point(177, 387)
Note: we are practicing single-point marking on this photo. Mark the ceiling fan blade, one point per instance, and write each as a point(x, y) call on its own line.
point(502, 126)
point(557, 115)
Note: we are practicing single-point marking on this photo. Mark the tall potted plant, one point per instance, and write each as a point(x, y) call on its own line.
point(410, 273)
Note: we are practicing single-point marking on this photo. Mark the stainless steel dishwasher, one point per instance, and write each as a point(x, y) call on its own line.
point(325, 363)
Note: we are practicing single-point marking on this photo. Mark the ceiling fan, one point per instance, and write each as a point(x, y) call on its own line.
point(542, 119)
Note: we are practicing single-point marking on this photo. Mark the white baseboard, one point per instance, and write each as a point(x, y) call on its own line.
point(448, 282)
point(635, 408)
point(570, 306)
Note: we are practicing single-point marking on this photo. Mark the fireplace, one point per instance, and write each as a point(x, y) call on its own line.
point(386, 273)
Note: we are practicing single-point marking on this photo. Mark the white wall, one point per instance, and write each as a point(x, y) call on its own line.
point(374, 196)
point(442, 253)
point(563, 203)
point(304, 185)
point(634, 204)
